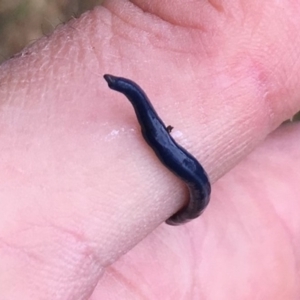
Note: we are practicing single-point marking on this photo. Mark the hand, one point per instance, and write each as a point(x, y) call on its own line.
point(80, 187)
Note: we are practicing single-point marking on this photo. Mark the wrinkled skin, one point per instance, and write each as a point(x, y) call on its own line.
point(79, 188)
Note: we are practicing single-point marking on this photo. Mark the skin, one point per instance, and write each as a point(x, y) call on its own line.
point(79, 187)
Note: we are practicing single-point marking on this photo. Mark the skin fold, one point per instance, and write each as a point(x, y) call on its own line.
point(83, 199)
